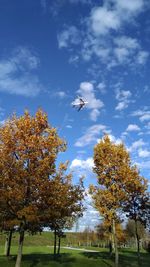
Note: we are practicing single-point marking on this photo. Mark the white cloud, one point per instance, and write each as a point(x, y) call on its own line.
point(94, 114)
point(121, 106)
point(70, 35)
point(91, 216)
point(132, 127)
point(130, 6)
point(144, 115)
point(124, 99)
point(137, 145)
point(144, 165)
point(104, 20)
point(144, 153)
point(126, 48)
point(102, 87)
point(87, 164)
point(69, 126)
point(17, 74)
point(96, 35)
point(86, 90)
point(25, 58)
point(111, 16)
point(147, 126)
point(142, 57)
point(91, 135)
point(126, 42)
point(60, 94)
point(122, 95)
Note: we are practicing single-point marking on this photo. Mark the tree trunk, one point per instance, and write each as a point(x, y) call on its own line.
point(110, 241)
point(137, 240)
point(115, 244)
point(58, 250)
point(20, 246)
point(110, 248)
point(8, 243)
point(55, 241)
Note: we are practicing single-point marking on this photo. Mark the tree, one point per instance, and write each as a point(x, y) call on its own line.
point(131, 230)
point(112, 166)
point(62, 202)
point(137, 203)
point(104, 232)
point(29, 146)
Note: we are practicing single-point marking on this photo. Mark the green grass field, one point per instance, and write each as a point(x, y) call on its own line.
point(42, 257)
point(38, 254)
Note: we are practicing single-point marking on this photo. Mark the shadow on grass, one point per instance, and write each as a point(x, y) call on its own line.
point(96, 255)
point(127, 258)
point(103, 256)
point(36, 258)
point(130, 258)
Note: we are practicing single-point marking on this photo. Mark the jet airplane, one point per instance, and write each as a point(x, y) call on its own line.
point(79, 103)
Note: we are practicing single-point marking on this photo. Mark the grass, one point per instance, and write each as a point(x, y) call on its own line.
point(42, 257)
point(38, 253)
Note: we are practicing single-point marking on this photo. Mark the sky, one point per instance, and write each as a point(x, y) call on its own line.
point(53, 50)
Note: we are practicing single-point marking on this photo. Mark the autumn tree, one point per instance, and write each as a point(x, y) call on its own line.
point(7, 216)
point(61, 202)
point(112, 166)
point(29, 146)
point(104, 233)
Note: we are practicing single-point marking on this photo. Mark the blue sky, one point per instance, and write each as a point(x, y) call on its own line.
point(52, 51)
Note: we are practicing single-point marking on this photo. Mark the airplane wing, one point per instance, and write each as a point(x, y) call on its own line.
point(81, 100)
point(81, 106)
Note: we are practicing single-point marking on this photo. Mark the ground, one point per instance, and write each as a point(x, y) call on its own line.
point(38, 252)
point(41, 256)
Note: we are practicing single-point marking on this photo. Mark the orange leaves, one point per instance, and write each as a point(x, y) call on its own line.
point(28, 150)
point(117, 178)
point(31, 188)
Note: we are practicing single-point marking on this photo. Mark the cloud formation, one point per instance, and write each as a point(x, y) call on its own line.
point(70, 35)
point(137, 145)
point(17, 74)
point(144, 153)
point(87, 164)
point(143, 115)
point(101, 35)
point(91, 135)
point(86, 90)
point(110, 16)
point(132, 127)
point(124, 98)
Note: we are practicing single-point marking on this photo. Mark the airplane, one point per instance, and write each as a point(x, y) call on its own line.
point(79, 102)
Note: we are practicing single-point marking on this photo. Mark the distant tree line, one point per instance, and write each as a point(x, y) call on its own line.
point(99, 236)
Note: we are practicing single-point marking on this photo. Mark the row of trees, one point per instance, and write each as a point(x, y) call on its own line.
point(100, 236)
point(120, 191)
point(34, 192)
